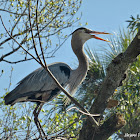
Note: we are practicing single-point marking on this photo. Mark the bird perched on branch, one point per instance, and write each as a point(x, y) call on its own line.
point(39, 87)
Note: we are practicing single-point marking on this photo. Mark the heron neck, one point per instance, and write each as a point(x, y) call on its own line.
point(82, 58)
point(78, 75)
point(83, 61)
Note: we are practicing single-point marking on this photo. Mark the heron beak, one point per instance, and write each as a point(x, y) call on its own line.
point(97, 33)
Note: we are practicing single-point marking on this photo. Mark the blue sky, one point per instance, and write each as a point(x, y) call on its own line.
point(101, 15)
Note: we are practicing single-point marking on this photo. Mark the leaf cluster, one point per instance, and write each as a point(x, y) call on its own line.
point(134, 23)
point(53, 17)
point(129, 98)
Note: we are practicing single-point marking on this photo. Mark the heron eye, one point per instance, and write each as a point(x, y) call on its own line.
point(86, 31)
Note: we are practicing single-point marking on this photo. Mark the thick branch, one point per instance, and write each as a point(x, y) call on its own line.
point(110, 126)
point(115, 74)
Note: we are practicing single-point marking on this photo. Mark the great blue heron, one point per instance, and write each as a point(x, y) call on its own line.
point(38, 86)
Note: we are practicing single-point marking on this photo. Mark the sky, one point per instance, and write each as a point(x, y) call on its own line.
point(101, 15)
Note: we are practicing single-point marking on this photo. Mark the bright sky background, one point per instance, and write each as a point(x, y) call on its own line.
point(101, 15)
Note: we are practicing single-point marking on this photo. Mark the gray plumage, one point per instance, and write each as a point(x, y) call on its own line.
point(39, 86)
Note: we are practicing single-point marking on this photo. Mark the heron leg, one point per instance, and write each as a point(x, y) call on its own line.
point(36, 119)
point(39, 127)
point(39, 109)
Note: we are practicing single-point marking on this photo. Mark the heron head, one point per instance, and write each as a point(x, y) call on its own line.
point(84, 34)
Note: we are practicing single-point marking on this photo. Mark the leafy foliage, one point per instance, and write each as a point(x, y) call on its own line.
point(17, 122)
point(134, 23)
point(117, 45)
point(52, 17)
point(129, 98)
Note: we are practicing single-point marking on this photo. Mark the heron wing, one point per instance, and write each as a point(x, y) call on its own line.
point(40, 82)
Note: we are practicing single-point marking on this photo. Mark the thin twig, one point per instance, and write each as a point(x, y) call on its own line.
point(17, 21)
point(19, 61)
point(10, 78)
point(17, 42)
point(40, 129)
point(12, 12)
point(88, 114)
point(4, 41)
point(14, 50)
point(39, 36)
point(34, 45)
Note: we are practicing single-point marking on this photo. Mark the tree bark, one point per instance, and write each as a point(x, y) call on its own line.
point(114, 76)
point(114, 123)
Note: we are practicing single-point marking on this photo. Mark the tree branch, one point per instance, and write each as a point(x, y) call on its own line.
point(109, 127)
point(34, 45)
point(39, 35)
point(7, 54)
point(17, 21)
point(19, 61)
point(12, 12)
point(115, 73)
point(114, 76)
point(20, 46)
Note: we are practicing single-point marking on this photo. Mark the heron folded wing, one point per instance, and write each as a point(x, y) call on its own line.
point(39, 82)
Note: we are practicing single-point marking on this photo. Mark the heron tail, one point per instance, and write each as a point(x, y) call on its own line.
point(8, 100)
